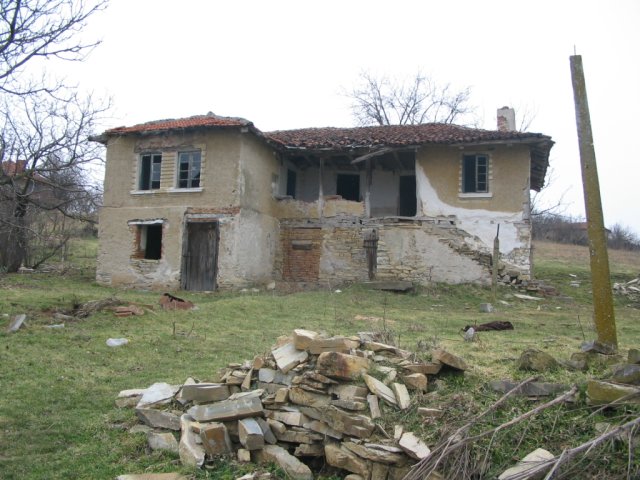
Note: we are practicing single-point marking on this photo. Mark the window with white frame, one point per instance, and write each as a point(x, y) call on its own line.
point(189, 169)
point(149, 172)
point(475, 174)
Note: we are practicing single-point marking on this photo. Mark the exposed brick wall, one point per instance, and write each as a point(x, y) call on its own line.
point(301, 249)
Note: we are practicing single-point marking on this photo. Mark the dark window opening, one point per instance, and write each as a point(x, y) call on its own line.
point(291, 183)
point(348, 187)
point(408, 197)
point(189, 170)
point(150, 171)
point(149, 242)
point(475, 174)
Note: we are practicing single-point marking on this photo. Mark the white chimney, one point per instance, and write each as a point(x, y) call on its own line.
point(506, 119)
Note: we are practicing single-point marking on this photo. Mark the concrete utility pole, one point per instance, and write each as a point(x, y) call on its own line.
point(600, 277)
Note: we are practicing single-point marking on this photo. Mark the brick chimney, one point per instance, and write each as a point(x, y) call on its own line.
point(506, 119)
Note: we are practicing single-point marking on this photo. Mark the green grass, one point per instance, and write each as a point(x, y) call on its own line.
point(57, 416)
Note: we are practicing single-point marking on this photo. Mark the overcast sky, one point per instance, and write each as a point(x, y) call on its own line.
point(286, 64)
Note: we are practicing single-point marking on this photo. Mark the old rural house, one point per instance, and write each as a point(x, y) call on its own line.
point(210, 202)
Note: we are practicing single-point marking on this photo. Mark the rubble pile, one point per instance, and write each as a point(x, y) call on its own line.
point(630, 289)
point(311, 402)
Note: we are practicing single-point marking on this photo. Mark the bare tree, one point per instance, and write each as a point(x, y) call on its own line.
point(386, 101)
point(44, 126)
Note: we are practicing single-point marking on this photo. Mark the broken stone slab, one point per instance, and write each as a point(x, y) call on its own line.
point(269, 375)
point(321, 427)
point(152, 476)
point(302, 338)
point(179, 398)
point(215, 439)
point(295, 419)
point(351, 424)
point(598, 347)
point(345, 391)
point(227, 410)
point(250, 434)
point(158, 394)
point(287, 356)
point(309, 450)
point(340, 457)
point(374, 406)
point(129, 398)
point(522, 296)
point(300, 396)
point(293, 467)
point(602, 392)
point(138, 428)
point(429, 412)
point(416, 381)
point(402, 395)
point(282, 395)
point(16, 323)
point(158, 418)
point(162, 441)
point(376, 455)
point(350, 405)
point(449, 359)
point(424, 368)
point(629, 374)
point(276, 426)
point(204, 392)
point(298, 435)
point(268, 435)
point(537, 361)
point(380, 389)
point(633, 356)
point(486, 308)
point(532, 389)
point(244, 456)
point(334, 344)
point(389, 373)
point(533, 459)
point(341, 365)
point(413, 446)
point(191, 452)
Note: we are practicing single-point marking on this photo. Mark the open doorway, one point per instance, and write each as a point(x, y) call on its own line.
point(348, 186)
point(407, 206)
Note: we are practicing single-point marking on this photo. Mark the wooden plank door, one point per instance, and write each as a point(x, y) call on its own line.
point(200, 260)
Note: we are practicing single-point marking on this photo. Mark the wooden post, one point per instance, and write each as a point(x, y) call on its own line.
point(367, 193)
point(600, 277)
point(320, 189)
point(494, 268)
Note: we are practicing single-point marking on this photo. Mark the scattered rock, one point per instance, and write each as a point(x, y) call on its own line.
point(601, 392)
point(429, 412)
point(215, 438)
point(597, 347)
point(531, 389)
point(191, 452)
point(341, 365)
point(416, 381)
point(162, 441)
point(16, 323)
point(449, 359)
point(413, 446)
point(486, 308)
point(533, 459)
point(116, 342)
point(633, 356)
point(536, 361)
point(629, 374)
point(158, 418)
point(293, 467)
point(157, 394)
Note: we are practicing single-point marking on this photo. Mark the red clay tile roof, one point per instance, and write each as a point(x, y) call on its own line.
point(391, 136)
point(197, 121)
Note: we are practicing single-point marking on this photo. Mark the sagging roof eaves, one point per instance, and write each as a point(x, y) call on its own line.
point(195, 122)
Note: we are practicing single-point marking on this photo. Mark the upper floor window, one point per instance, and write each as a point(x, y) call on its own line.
point(149, 178)
point(475, 174)
point(189, 169)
